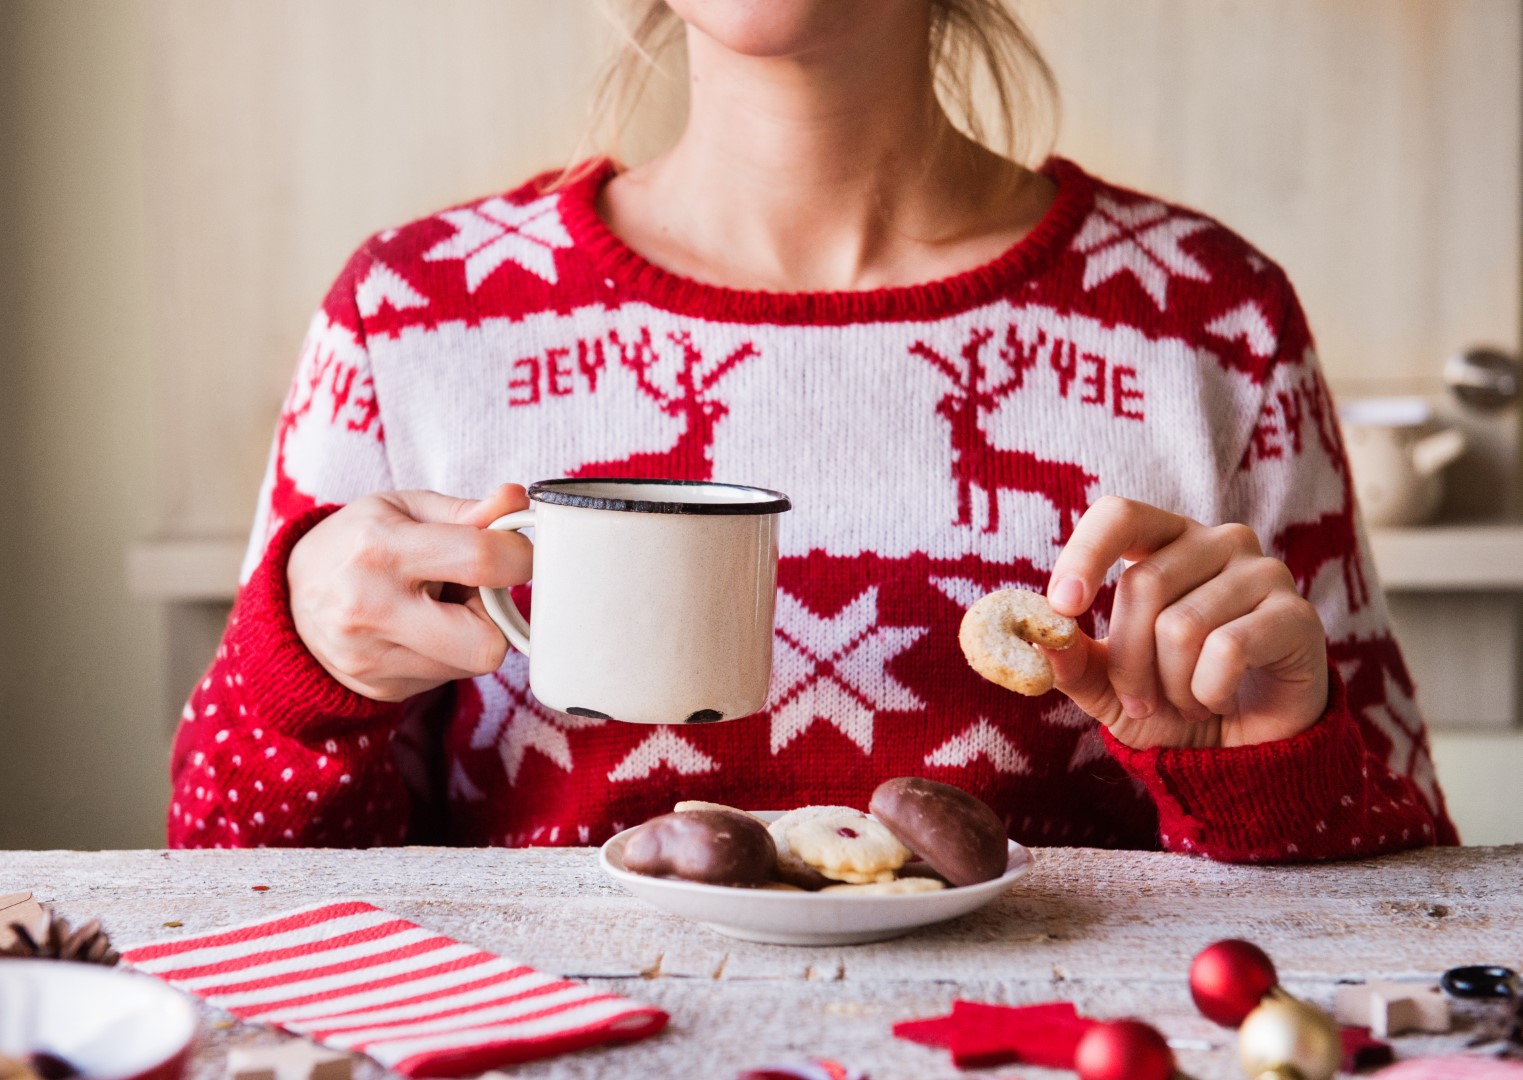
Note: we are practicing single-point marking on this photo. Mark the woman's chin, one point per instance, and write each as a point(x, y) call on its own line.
point(775, 29)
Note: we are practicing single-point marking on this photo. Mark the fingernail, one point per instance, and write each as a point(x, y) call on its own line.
point(1135, 708)
point(1067, 593)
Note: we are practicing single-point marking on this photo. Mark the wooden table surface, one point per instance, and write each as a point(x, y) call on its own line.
point(1113, 932)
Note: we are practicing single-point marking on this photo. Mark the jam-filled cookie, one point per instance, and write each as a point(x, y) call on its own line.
point(791, 868)
point(999, 635)
point(843, 844)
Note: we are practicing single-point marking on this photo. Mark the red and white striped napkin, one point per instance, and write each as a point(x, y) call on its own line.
point(357, 978)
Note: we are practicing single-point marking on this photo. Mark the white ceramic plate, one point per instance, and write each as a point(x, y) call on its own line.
point(804, 918)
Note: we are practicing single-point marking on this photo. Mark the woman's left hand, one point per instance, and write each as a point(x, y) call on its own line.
point(1210, 643)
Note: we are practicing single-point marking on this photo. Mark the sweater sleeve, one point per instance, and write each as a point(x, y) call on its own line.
point(1360, 781)
point(271, 750)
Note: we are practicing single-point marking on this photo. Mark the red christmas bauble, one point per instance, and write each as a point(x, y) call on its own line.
point(1229, 979)
point(1123, 1050)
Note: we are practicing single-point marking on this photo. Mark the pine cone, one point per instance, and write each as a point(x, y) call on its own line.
point(55, 939)
point(15, 1069)
point(41, 1066)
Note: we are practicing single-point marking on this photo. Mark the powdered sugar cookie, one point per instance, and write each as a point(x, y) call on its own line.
point(698, 804)
point(853, 877)
point(846, 845)
point(997, 636)
point(919, 868)
point(790, 867)
point(889, 888)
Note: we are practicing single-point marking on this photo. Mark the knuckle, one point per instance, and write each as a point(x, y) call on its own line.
point(1275, 575)
point(1146, 584)
point(353, 660)
point(1178, 627)
point(1226, 647)
point(1279, 576)
point(1237, 536)
point(490, 653)
point(444, 509)
point(499, 550)
point(390, 692)
point(515, 544)
point(1305, 612)
point(1214, 698)
point(1129, 675)
point(517, 562)
point(476, 558)
point(350, 614)
point(1286, 604)
point(1113, 507)
point(370, 545)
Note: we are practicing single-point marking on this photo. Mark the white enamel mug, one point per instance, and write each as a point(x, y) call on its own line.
point(653, 599)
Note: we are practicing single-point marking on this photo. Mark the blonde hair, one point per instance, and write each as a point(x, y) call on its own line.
point(979, 50)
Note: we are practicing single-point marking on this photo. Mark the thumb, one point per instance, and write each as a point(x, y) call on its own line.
point(503, 499)
point(433, 508)
point(1080, 671)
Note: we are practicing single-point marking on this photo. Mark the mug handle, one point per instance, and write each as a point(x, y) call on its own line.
point(498, 602)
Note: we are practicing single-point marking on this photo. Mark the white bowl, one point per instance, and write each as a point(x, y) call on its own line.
point(780, 917)
point(109, 1023)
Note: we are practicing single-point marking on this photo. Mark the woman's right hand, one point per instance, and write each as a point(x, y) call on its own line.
point(383, 591)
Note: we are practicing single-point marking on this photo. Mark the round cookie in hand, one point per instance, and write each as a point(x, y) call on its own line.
point(999, 635)
point(961, 838)
point(843, 844)
point(716, 847)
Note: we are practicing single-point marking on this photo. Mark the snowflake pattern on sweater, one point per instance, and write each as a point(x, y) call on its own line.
point(938, 441)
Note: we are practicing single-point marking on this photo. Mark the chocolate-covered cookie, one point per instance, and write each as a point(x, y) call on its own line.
point(962, 839)
point(716, 847)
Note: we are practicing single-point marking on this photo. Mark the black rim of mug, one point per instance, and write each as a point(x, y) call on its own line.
point(554, 492)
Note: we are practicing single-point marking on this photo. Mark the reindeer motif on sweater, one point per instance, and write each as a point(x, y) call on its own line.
point(976, 461)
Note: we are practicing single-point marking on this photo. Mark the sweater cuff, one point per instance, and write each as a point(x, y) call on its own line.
point(286, 688)
point(1271, 802)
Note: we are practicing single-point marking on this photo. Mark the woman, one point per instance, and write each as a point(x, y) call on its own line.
point(966, 374)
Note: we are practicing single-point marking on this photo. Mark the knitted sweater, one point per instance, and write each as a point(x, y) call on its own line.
point(938, 441)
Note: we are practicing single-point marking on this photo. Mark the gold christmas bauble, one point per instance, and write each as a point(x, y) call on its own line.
point(1287, 1038)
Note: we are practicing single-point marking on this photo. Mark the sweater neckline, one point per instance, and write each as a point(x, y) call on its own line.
point(637, 278)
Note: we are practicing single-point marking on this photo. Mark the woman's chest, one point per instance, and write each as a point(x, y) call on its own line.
point(985, 435)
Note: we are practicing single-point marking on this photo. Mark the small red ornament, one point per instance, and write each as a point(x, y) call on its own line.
point(1229, 979)
point(1123, 1050)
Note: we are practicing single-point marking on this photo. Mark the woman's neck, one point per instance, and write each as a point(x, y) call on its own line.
point(833, 170)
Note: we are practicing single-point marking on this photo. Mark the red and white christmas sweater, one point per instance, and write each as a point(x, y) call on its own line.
point(938, 441)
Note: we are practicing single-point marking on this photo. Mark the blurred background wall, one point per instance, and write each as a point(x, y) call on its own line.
point(180, 180)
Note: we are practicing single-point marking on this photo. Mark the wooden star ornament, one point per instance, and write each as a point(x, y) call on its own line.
point(295, 1059)
point(1390, 1008)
